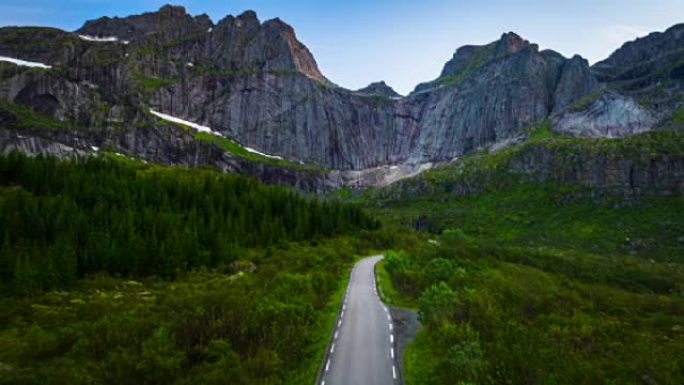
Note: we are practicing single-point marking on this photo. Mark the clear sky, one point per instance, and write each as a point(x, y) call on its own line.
point(403, 42)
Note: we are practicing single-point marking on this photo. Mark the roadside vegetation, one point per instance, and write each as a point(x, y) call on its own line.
point(498, 315)
point(120, 272)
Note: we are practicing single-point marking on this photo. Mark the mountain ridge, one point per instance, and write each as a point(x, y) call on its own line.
point(258, 84)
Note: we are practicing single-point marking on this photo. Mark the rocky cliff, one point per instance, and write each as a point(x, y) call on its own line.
point(255, 83)
point(626, 169)
point(649, 69)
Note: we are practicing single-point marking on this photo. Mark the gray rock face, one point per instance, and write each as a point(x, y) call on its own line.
point(626, 171)
point(649, 69)
point(244, 44)
point(170, 22)
point(610, 116)
point(575, 79)
point(164, 145)
point(257, 83)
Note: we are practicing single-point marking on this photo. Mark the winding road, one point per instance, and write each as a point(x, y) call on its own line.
point(362, 349)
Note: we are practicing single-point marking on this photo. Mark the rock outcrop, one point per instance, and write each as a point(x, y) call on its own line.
point(255, 82)
point(649, 69)
point(627, 169)
point(611, 115)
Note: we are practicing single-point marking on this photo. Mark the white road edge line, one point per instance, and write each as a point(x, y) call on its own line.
point(391, 338)
point(392, 352)
point(394, 372)
point(327, 366)
point(332, 348)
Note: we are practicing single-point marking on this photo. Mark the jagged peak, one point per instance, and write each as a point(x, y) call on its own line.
point(277, 23)
point(249, 16)
point(297, 55)
point(646, 47)
point(379, 88)
point(172, 10)
point(137, 26)
point(510, 43)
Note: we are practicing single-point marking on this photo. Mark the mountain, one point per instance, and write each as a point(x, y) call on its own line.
point(379, 89)
point(257, 86)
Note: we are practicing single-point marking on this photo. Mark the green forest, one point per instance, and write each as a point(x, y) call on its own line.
point(60, 221)
point(117, 272)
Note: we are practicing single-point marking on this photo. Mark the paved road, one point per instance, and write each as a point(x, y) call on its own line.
point(362, 352)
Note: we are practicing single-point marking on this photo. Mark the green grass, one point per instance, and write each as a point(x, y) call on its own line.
point(156, 83)
point(388, 293)
point(148, 85)
point(588, 100)
point(31, 120)
point(481, 58)
point(236, 149)
point(542, 131)
point(678, 117)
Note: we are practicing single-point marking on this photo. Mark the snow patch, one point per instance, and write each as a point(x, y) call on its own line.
point(102, 39)
point(24, 63)
point(95, 148)
point(253, 151)
point(206, 129)
point(107, 39)
point(196, 126)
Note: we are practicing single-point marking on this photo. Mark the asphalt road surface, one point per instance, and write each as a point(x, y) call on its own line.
point(362, 351)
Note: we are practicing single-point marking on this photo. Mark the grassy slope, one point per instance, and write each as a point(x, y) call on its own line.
point(531, 216)
point(388, 293)
point(512, 213)
point(236, 149)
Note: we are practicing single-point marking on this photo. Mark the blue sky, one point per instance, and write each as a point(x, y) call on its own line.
point(403, 42)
